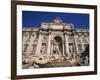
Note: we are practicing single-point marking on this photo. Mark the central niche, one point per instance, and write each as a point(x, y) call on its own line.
point(57, 45)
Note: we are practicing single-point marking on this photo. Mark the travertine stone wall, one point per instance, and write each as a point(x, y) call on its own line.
point(54, 37)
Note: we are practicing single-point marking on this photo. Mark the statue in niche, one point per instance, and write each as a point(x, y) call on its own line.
point(71, 50)
point(56, 51)
point(43, 49)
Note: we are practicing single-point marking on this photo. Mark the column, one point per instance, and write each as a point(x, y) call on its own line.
point(75, 42)
point(39, 44)
point(82, 43)
point(63, 48)
point(51, 50)
point(49, 44)
point(66, 44)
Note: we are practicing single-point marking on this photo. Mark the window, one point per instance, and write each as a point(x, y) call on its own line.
point(78, 39)
point(26, 34)
point(33, 48)
point(70, 38)
point(85, 45)
point(84, 39)
point(25, 47)
point(26, 37)
point(32, 34)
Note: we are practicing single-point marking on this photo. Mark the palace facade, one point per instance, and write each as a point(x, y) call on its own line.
point(53, 41)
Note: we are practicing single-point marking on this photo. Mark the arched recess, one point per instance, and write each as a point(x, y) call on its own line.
point(57, 45)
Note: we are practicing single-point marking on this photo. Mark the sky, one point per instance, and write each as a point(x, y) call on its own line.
point(35, 18)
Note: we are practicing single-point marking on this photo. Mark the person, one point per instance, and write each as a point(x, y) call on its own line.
point(43, 50)
point(56, 51)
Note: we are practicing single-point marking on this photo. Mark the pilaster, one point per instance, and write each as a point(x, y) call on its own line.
point(66, 43)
